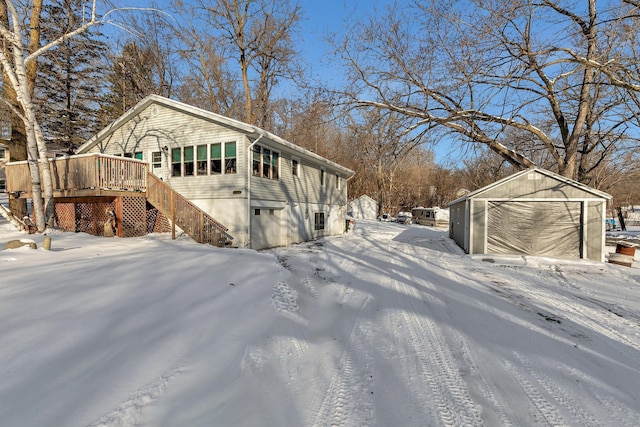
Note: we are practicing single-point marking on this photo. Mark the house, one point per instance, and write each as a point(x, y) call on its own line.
point(266, 190)
point(532, 212)
point(364, 207)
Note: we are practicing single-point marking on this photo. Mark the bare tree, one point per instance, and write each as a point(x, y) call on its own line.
point(383, 146)
point(258, 33)
point(481, 71)
point(20, 38)
point(18, 65)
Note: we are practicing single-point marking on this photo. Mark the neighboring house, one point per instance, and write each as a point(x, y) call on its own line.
point(267, 191)
point(364, 207)
point(532, 212)
point(4, 158)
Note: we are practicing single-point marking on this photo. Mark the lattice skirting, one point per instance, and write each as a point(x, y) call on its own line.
point(133, 216)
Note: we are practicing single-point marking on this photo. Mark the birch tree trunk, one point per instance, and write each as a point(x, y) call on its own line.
point(19, 70)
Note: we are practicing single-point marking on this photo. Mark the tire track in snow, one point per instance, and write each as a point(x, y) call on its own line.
point(348, 400)
point(453, 402)
point(583, 417)
point(542, 407)
point(589, 317)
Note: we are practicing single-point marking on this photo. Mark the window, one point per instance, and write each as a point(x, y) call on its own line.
point(202, 159)
point(3, 185)
point(2, 153)
point(257, 212)
point(156, 159)
point(257, 164)
point(230, 157)
point(128, 155)
point(216, 159)
point(176, 162)
point(322, 173)
point(274, 165)
point(189, 165)
point(265, 163)
point(319, 221)
point(137, 155)
point(337, 182)
point(295, 167)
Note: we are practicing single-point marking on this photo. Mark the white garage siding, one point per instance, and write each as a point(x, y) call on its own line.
point(532, 212)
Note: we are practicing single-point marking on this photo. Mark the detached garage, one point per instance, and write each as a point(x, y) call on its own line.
point(532, 212)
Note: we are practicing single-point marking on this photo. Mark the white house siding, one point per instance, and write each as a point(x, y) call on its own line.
point(364, 207)
point(295, 198)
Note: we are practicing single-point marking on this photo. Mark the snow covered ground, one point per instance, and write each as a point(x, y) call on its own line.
point(388, 325)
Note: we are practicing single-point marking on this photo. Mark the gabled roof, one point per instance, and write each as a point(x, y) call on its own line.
point(364, 197)
point(576, 184)
point(250, 130)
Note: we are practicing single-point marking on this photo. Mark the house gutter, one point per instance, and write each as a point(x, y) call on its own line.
point(249, 188)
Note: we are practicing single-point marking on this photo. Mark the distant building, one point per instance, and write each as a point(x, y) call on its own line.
point(364, 207)
point(532, 212)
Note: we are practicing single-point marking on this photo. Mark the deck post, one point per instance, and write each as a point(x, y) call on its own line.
point(173, 216)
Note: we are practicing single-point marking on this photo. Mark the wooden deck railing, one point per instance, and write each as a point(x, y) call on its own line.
point(194, 221)
point(75, 174)
point(93, 171)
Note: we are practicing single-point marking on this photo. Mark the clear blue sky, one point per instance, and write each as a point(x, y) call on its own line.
point(329, 17)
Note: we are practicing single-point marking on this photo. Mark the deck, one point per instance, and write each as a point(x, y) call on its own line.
point(99, 180)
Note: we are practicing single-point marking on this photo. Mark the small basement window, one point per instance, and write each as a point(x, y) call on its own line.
point(319, 221)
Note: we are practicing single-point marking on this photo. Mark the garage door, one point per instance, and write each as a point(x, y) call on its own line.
point(534, 228)
point(266, 228)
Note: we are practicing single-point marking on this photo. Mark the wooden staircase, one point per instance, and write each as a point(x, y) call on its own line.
point(85, 177)
point(200, 226)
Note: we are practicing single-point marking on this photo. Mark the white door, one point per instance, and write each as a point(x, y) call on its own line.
point(266, 228)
